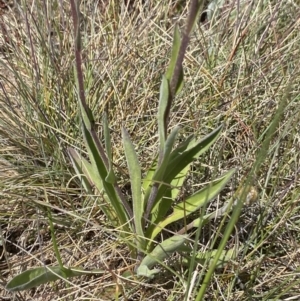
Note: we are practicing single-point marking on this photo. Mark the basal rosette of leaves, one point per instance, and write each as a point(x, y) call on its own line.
point(147, 215)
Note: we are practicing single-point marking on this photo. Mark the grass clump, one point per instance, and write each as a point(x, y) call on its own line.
point(242, 73)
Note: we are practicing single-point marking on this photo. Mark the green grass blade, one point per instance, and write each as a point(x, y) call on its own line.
point(261, 156)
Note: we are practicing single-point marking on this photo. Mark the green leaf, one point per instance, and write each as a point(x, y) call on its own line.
point(110, 178)
point(176, 171)
point(194, 151)
point(225, 257)
point(177, 182)
point(144, 271)
point(183, 146)
point(147, 181)
point(161, 208)
point(213, 215)
point(35, 277)
point(162, 108)
point(180, 160)
point(99, 170)
point(174, 55)
point(161, 169)
point(136, 184)
point(158, 176)
point(180, 148)
point(248, 193)
point(193, 203)
point(160, 252)
point(81, 168)
point(172, 64)
point(89, 176)
point(86, 115)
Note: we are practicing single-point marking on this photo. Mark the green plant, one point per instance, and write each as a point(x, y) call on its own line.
point(154, 196)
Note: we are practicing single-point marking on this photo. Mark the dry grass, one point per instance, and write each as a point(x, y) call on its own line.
point(237, 70)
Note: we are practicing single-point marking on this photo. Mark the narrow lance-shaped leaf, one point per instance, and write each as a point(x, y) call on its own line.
point(100, 169)
point(147, 181)
point(96, 151)
point(151, 171)
point(180, 160)
point(35, 277)
point(160, 252)
point(89, 174)
point(208, 256)
point(110, 178)
point(87, 116)
point(79, 165)
point(160, 171)
point(175, 184)
point(177, 169)
point(194, 150)
point(162, 107)
point(163, 206)
point(174, 56)
point(249, 193)
point(136, 184)
point(193, 203)
point(183, 146)
point(210, 216)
